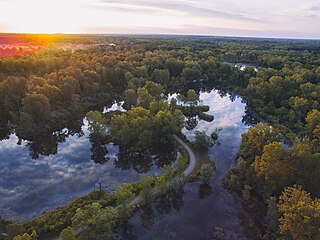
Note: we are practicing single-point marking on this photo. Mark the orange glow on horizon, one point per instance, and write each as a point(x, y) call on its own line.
point(23, 44)
point(219, 18)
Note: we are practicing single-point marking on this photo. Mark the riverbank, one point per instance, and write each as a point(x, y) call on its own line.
point(193, 163)
point(60, 213)
point(59, 119)
point(194, 212)
point(228, 116)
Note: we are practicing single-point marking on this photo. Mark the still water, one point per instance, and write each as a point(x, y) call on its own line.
point(194, 212)
point(39, 175)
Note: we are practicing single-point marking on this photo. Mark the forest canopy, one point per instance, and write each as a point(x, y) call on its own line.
point(279, 158)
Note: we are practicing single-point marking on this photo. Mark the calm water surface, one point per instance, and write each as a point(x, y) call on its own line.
point(34, 179)
point(58, 167)
point(193, 213)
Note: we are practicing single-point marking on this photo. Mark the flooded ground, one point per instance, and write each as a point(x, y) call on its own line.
point(195, 212)
point(37, 178)
point(60, 166)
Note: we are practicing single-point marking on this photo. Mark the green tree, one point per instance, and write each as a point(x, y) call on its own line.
point(166, 123)
point(214, 135)
point(300, 214)
point(124, 195)
point(168, 172)
point(140, 128)
point(38, 106)
point(161, 76)
point(202, 140)
point(174, 66)
point(192, 71)
point(95, 222)
point(313, 124)
point(254, 141)
point(15, 229)
point(181, 164)
point(206, 172)
point(68, 234)
point(154, 89)
point(177, 182)
point(97, 123)
point(144, 98)
point(274, 167)
point(146, 188)
point(136, 83)
point(218, 233)
point(26, 236)
point(133, 129)
point(161, 184)
point(246, 193)
point(273, 215)
point(14, 89)
point(193, 97)
point(131, 98)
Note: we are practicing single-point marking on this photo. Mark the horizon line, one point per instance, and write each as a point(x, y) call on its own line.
point(164, 34)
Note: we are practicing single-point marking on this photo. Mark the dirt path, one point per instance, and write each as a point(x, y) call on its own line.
point(192, 165)
point(192, 158)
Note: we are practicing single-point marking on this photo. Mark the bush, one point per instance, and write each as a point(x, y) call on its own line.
point(215, 134)
point(203, 108)
point(68, 234)
point(205, 117)
point(206, 172)
point(218, 233)
point(15, 229)
point(61, 217)
point(202, 140)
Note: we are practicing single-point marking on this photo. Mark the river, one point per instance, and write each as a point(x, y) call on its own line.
point(198, 209)
point(55, 168)
point(41, 175)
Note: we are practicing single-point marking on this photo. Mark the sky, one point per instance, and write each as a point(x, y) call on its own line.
point(269, 18)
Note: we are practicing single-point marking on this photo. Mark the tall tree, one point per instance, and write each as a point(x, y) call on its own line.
point(300, 214)
point(95, 222)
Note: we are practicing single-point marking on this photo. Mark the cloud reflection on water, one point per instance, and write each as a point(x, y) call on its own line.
point(227, 114)
point(30, 186)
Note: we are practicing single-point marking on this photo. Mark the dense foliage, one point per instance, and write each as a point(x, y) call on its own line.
point(281, 88)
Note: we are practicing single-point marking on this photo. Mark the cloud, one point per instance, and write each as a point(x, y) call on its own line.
point(285, 18)
point(185, 8)
point(315, 8)
point(311, 9)
point(227, 115)
point(208, 30)
point(132, 30)
point(204, 30)
point(29, 187)
point(124, 9)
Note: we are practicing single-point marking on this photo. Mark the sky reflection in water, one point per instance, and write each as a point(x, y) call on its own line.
point(29, 186)
point(201, 208)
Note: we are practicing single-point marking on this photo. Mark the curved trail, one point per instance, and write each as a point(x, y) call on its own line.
point(192, 165)
point(192, 158)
